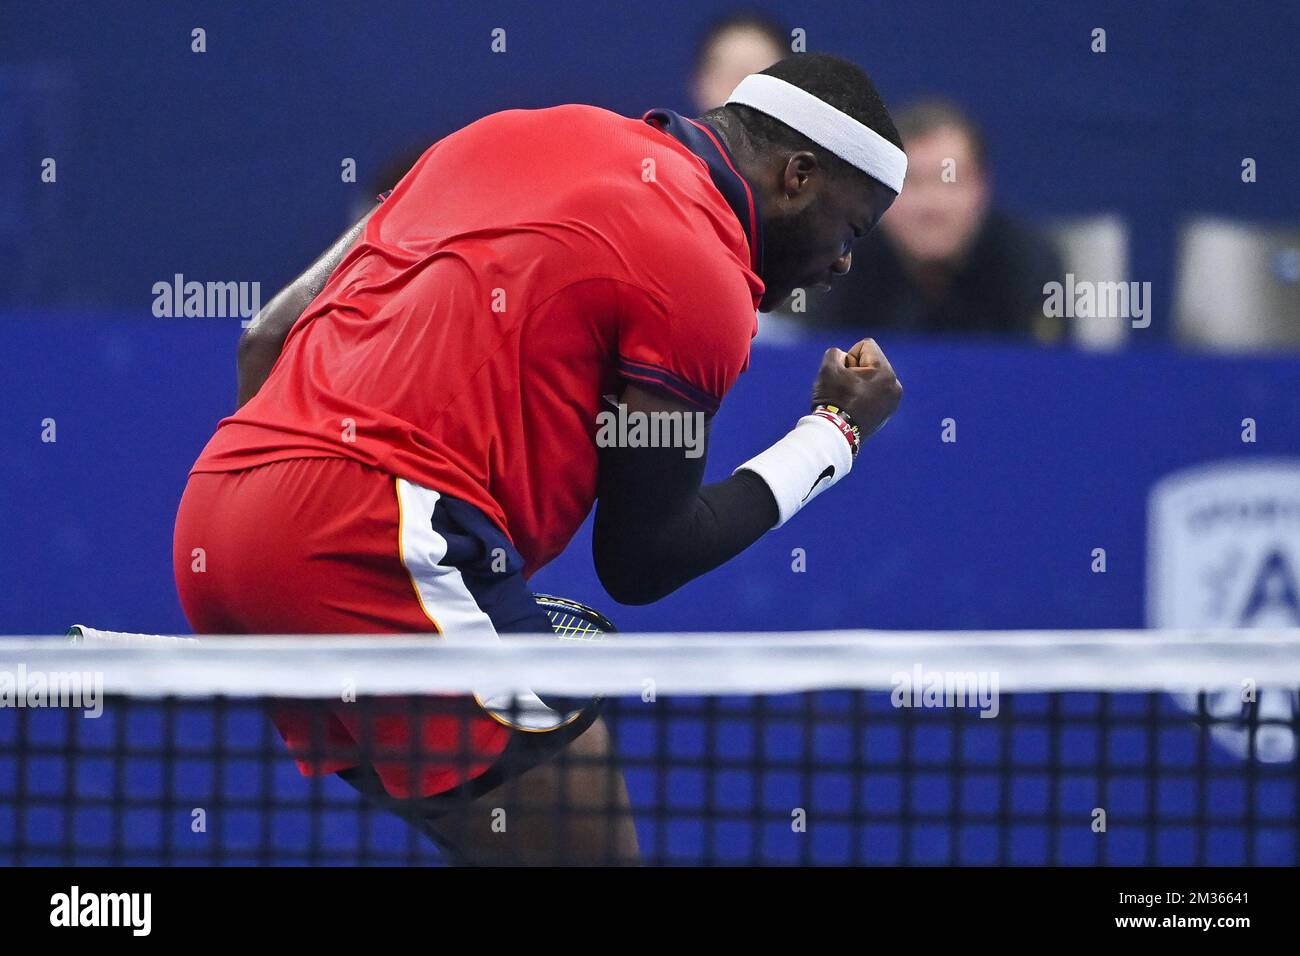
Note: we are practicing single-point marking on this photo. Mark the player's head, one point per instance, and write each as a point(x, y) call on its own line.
point(823, 174)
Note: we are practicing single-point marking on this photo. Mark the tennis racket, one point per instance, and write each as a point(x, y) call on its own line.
point(574, 621)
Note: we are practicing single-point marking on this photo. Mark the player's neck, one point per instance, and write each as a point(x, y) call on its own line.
point(734, 138)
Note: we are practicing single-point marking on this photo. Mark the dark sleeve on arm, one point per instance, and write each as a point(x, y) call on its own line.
point(656, 528)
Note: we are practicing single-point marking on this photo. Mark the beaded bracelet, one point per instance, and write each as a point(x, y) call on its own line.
point(844, 422)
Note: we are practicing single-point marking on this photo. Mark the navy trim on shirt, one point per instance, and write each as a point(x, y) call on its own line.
point(702, 140)
point(660, 379)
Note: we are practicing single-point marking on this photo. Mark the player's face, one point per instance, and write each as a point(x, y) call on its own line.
point(807, 244)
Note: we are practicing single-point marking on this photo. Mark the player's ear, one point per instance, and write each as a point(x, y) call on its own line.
point(801, 169)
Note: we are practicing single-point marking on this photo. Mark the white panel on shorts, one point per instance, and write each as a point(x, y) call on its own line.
point(448, 603)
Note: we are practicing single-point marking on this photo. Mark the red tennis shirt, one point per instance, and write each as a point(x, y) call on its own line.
point(525, 266)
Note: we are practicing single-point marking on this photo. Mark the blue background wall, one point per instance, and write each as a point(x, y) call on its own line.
point(225, 166)
point(1055, 455)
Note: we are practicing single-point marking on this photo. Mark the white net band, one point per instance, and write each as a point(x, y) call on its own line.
point(313, 666)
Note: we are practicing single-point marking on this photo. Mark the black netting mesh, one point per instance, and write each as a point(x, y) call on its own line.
point(832, 777)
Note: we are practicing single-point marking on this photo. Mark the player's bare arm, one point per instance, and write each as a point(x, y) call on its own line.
point(657, 528)
point(262, 341)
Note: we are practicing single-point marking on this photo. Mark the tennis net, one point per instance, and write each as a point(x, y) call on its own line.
point(987, 748)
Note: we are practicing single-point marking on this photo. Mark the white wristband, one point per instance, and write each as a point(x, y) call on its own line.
point(803, 464)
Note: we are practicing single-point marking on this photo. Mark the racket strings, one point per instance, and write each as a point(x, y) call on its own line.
point(571, 627)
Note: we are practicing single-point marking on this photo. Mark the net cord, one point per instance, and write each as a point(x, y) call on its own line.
point(315, 666)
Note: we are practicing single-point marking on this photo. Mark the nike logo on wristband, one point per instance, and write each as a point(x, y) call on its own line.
point(827, 472)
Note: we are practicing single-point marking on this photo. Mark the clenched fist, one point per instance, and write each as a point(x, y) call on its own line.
point(862, 382)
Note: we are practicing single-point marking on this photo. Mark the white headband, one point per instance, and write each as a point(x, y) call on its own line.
point(826, 126)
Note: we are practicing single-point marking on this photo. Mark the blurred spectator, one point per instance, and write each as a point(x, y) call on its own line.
point(942, 260)
point(732, 48)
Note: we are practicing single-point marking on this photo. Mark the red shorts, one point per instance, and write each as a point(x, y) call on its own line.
point(330, 546)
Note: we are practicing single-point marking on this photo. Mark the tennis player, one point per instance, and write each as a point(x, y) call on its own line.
point(417, 430)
